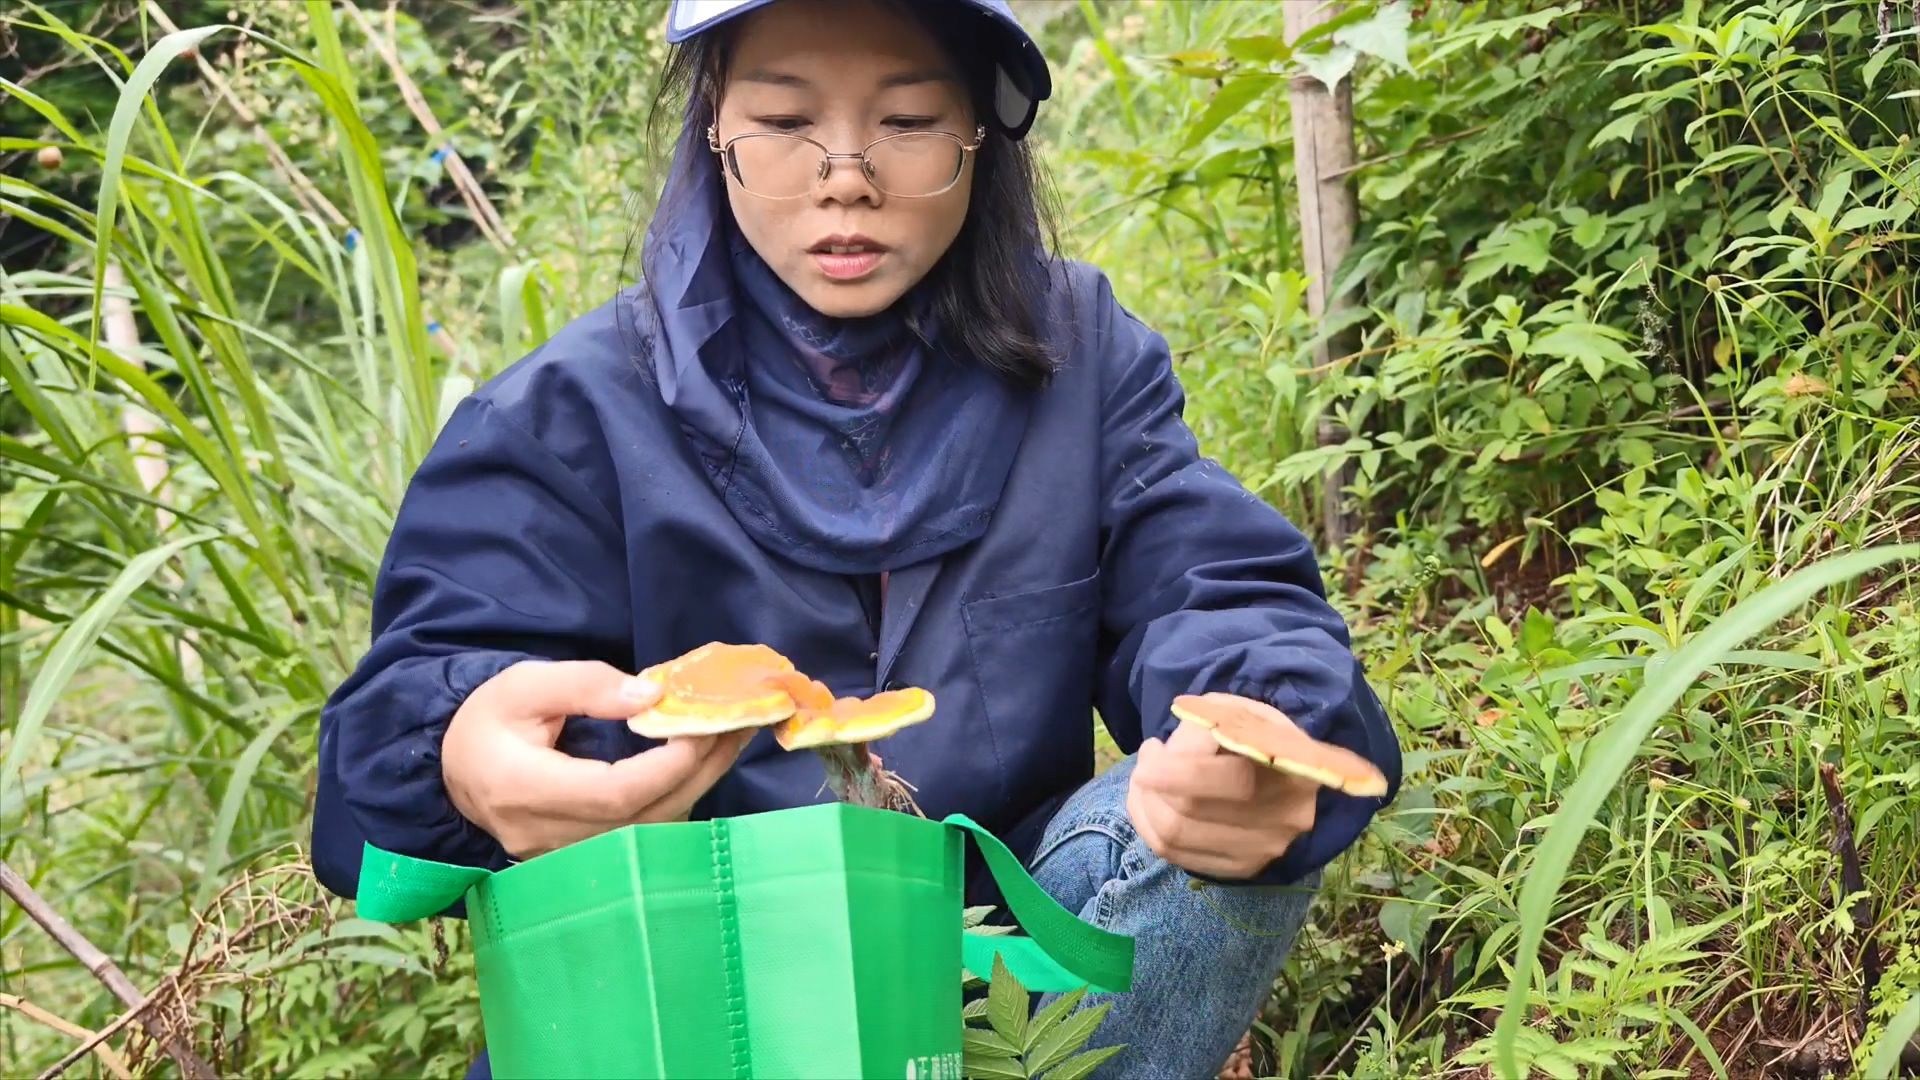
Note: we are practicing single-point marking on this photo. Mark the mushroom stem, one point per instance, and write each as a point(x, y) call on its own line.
point(856, 776)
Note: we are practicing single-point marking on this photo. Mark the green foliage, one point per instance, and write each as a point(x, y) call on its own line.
point(1005, 1040)
point(1894, 1024)
point(1614, 751)
point(1629, 344)
point(166, 640)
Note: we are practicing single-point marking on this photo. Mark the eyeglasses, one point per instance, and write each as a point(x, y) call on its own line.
point(909, 165)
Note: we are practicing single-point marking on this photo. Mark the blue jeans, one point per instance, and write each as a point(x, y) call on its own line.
point(1204, 960)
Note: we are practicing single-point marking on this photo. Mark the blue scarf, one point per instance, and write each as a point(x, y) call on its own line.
point(853, 446)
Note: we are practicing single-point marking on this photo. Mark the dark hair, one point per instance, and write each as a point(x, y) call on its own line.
point(987, 287)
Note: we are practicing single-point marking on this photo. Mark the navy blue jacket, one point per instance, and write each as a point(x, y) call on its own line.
point(561, 514)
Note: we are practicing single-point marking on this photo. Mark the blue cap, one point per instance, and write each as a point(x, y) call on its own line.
point(1021, 80)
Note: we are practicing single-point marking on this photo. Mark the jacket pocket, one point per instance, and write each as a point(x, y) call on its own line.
point(1034, 655)
point(1024, 609)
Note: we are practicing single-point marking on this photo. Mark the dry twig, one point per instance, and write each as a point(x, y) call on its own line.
point(471, 193)
point(303, 188)
point(1853, 883)
point(101, 967)
point(109, 1060)
point(215, 956)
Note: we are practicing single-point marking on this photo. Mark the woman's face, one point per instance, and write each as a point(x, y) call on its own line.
point(844, 73)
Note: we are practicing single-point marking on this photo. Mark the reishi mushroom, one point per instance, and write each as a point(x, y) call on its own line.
point(852, 720)
point(714, 689)
point(1257, 730)
point(721, 687)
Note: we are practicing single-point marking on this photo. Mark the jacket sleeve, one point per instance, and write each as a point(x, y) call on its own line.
point(1209, 588)
point(499, 553)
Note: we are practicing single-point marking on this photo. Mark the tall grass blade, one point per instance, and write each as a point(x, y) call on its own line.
point(1608, 760)
point(120, 133)
point(67, 654)
point(1885, 1062)
point(239, 784)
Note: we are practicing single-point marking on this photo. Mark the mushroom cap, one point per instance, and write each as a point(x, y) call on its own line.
point(1257, 730)
point(722, 687)
point(851, 720)
point(807, 693)
point(716, 688)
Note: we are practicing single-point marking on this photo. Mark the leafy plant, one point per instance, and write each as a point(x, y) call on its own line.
point(211, 397)
point(1004, 1040)
point(1604, 1002)
point(1615, 264)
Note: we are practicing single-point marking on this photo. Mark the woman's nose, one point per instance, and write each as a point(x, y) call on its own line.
point(847, 183)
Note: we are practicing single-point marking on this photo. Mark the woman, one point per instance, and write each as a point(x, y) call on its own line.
point(857, 412)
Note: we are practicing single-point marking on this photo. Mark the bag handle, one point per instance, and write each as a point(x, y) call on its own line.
point(398, 888)
point(1061, 951)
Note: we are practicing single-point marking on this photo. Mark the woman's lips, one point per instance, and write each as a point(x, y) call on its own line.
point(847, 263)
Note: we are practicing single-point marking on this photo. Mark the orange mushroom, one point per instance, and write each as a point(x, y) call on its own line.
point(722, 687)
point(716, 688)
point(1263, 733)
point(849, 721)
point(807, 693)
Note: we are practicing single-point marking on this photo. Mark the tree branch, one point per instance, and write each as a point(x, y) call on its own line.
point(101, 967)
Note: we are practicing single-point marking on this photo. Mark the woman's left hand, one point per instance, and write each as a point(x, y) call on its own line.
point(1213, 812)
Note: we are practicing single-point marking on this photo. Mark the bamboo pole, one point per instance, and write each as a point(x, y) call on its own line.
point(1323, 159)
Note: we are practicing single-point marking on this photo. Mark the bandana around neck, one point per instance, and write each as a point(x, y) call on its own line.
point(847, 377)
point(847, 445)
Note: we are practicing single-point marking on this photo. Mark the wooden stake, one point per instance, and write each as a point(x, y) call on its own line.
point(1853, 883)
point(149, 458)
point(123, 337)
point(101, 967)
point(1323, 158)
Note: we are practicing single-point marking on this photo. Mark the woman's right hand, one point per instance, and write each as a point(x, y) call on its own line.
point(504, 774)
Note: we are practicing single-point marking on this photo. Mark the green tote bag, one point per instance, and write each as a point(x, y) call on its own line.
point(818, 941)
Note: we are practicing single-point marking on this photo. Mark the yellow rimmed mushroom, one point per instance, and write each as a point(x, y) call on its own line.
point(850, 721)
point(1257, 730)
point(721, 687)
point(715, 689)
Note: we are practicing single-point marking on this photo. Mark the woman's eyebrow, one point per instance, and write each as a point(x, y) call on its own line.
point(774, 78)
point(914, 78)
point(902, 78)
